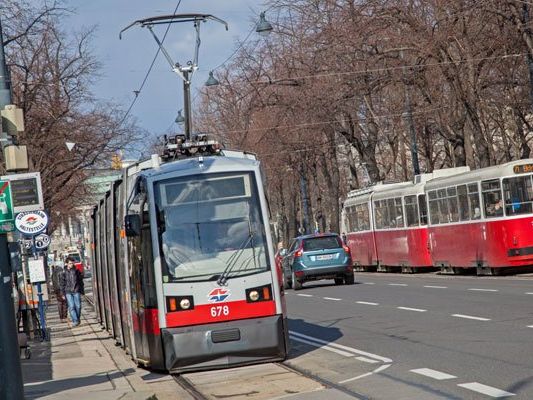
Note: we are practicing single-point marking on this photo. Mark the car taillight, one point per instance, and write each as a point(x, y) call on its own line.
point(346, 249)
point(298, 253)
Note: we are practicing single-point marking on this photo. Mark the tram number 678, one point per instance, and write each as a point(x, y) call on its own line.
point(219, 310)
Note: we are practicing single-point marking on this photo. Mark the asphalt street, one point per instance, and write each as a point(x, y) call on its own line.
point(427, 336)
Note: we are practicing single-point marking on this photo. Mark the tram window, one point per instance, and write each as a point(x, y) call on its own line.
point(382, 214)
point(411, 210)
point(434, 212)
point(434, 207)
point(353, 219)
point(474, 204)
point(199, 240)
point(392, 213)
point(443, 206)
point(453, 208)
point(492, 198)
point(399, 212)
point(518, 195)
point(462, 196)
point(364, 221)
point(423, 210)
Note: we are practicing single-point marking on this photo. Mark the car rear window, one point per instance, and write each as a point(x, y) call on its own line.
point(319, 243)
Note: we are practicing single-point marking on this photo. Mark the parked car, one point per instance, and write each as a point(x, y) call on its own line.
point(317, 256)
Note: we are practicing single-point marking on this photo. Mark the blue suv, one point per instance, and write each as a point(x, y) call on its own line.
point(317, 256)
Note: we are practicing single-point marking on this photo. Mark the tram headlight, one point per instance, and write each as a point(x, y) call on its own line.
point(253, 295)
point(261, 293)
point(185, 304)
point(179, 303)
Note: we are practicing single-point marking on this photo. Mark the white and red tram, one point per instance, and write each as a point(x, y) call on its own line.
point(482, 219)
point(184, 271)
point(386, 225)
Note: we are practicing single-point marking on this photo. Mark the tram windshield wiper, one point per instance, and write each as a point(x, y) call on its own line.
point(232, 260)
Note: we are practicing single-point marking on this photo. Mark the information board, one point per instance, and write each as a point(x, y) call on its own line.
point(26, 191)
point(36, 270)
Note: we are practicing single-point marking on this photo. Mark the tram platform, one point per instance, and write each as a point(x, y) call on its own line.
point(83, 363)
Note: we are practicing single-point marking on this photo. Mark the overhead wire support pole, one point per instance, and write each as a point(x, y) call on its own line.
point(184, 71)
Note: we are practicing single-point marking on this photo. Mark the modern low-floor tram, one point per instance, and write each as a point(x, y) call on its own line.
point(184, 275)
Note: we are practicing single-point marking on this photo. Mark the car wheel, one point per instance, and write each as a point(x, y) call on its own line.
point(339, 281)
point(296, 284)
point(349, 279)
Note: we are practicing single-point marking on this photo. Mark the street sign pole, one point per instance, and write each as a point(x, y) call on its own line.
point(44, 334)
point(11, 385)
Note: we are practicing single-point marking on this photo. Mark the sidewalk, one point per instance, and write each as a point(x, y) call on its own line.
point(83, 363)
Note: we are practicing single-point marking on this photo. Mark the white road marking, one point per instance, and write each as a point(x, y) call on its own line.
point(530, 326)
point(483, 290)
point(431, 373)
point(529, 292)
point(470, 317)
point(412, 309)
point(331, 298)
point(372, 283)
point(367, 303)
point(397, 284)
point(328, 348)
point(304, 295)
point(436, 287)
point(367, 360)
point(378, 369)
point(488, 390)
point(341, 347)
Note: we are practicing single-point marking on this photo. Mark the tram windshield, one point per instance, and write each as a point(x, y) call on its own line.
point(210, 225)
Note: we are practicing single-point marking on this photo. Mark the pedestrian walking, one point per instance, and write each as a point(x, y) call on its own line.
point(72, 286)
point(58, 275)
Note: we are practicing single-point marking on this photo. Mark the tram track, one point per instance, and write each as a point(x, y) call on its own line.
point(189, 387)
point(196, 394)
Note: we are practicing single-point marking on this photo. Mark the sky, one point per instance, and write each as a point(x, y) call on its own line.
point(125, 62)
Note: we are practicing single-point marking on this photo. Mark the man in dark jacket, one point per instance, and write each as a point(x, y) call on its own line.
point(72, 287)
point(58, 277)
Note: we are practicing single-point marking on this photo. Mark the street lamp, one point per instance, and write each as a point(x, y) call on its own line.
point(263, 27)
point(212, 81)
point(179, 119)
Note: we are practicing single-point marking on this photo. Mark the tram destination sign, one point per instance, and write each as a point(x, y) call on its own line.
point(26, 191)
point(523, 169)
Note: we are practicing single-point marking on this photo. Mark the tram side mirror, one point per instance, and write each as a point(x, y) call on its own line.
point(132, 225)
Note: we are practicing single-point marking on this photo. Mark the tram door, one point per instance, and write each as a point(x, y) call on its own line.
point(143, 297)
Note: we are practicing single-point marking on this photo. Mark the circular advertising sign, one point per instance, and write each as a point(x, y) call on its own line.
point(31, 222)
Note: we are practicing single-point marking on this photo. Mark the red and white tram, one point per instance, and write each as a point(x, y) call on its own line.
point(184, 275)
point(386, 225)
point(482, 219)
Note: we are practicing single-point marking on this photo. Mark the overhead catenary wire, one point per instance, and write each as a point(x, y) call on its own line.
point(145, 79)
point(311, 124)
point(384, 69)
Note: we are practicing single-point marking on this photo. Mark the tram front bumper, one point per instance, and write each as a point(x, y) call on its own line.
point(225, 344)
